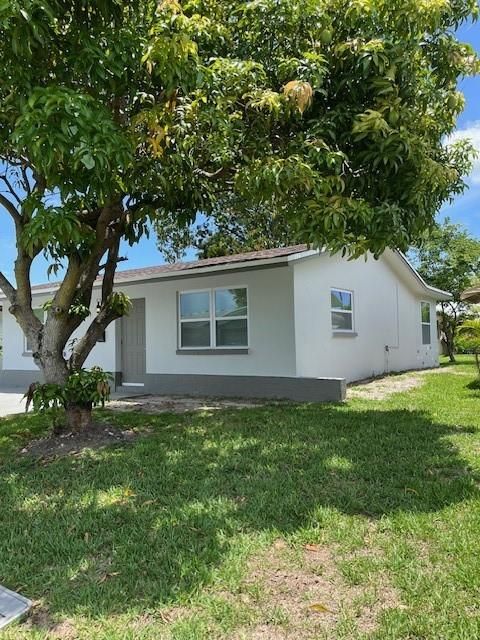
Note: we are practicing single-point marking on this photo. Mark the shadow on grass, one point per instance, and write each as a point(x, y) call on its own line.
point(144, 525)
point(461, 359)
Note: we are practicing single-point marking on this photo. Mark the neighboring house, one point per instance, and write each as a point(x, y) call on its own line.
point(471, 295)
point(289, 322)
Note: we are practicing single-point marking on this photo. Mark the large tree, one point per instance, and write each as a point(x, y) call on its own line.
point(233, 225)
point(450, 260)
point(115, 113)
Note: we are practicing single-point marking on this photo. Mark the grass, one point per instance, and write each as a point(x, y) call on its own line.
point(182, 534)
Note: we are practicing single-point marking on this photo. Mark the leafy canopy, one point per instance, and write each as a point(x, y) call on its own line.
point(449, 259)
point(232, 226)
point(333, 112)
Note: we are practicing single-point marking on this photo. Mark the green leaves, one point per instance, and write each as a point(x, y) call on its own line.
point(370, 123)
point(120, 303)
point(86, 386)
point(73, 141)
point(57, 230)
point(449, 258)
point(333, 112)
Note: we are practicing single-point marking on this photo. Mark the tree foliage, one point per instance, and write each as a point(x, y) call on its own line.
point(449, 260)
point(233, 226)
point(469, 339)
point(115, 114)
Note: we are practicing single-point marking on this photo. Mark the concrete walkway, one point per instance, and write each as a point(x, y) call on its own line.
point(11, 402)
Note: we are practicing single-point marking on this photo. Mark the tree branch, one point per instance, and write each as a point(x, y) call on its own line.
point(10, 207)
point(8, 289)
point(212, 175)
point(26, 181)
point(86, 343)
point(110, 268)
point(11, 189)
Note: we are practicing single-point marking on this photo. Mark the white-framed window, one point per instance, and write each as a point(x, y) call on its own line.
point(40, 313)
point(426, 323)
point(341, 305)
point(213, 318)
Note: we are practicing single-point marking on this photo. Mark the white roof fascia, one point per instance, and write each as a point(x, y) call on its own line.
point(439, 294)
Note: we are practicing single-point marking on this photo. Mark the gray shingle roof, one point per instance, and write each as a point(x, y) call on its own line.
point(179, 267)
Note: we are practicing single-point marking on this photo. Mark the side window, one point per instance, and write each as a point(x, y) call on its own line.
point(341, 303)
point(426, 323)
point(40, 313)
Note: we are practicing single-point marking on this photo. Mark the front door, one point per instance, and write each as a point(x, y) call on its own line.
point(133, 344)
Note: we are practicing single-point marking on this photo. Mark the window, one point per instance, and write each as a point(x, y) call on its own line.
point(341, 303)
point(426, 328)
point(195, 327)
point(215, 318)
point(40, 313)
point(231, 322)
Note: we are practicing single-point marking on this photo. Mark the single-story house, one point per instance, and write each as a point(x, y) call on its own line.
point(289, 322)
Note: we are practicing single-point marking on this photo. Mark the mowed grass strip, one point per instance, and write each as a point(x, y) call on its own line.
point(295, 521)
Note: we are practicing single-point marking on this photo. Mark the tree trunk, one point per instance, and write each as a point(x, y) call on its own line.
point(449, 333)
point(78, 415)
point(450, 349)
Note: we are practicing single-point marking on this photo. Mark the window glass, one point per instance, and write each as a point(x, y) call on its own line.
point(341, 310)
point(426, 330)
point(426, 334)
point(342, 321)
point(230, 302)
point(341, 300)
point(213, 318)
point(195, 305)
point(425, 312)
point(195, 334)
point(232, 333)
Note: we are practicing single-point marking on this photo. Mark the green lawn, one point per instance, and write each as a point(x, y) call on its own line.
point(232, 524)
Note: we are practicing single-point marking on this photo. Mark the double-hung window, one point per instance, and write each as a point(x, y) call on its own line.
point(426, 324)
point(341, 303)
point(213, 318)
point(40, 314)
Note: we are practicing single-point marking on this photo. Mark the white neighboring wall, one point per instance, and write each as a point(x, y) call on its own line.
point(386, 311)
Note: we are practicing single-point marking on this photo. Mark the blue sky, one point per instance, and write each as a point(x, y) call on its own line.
point(465, 209)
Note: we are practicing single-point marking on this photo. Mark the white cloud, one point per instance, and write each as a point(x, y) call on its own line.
point(471, 132)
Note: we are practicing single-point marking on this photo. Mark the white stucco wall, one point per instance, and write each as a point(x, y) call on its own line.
point(15, 358)
point(379, 320)
point(271, 328)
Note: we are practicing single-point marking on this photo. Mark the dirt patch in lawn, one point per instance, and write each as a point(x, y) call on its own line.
point(153, 404)
point(307, 596)
point(385, 386)
point(68, 443)
point(381, 388)
point(41, 621)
